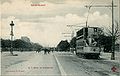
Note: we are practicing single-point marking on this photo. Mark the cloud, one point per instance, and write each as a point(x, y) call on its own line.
point(98, 19)
point(45, 24)
point(50, 31)
point(51, 8)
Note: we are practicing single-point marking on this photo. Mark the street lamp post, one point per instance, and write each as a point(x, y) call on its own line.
point(11, 34)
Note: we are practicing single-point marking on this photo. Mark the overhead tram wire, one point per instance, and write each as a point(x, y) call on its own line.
point(83, 22)
point(90, 5)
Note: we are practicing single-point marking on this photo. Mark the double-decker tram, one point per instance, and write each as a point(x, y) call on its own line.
point(87, 43)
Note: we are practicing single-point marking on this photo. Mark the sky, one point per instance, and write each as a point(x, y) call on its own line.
point(47, 24)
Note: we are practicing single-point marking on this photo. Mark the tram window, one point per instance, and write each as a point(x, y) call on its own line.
point(80, 32)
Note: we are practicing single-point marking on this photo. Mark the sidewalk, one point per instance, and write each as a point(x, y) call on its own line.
point(107, 56)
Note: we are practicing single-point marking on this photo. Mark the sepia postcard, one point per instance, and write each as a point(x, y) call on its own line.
point(60, 37)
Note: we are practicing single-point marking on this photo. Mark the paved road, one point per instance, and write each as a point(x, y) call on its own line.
point(75, 66)
point(57, 64)
point(38, 64)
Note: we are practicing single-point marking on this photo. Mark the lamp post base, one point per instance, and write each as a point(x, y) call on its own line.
point(113, 56)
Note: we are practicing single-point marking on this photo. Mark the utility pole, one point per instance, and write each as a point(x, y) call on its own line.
point(113, 36)
point(11, 33)
point(88, 15)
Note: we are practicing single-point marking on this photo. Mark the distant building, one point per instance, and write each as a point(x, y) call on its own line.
point(25, 38)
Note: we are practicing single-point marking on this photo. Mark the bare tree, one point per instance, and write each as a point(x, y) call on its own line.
point(115, 36)
point(116, 31)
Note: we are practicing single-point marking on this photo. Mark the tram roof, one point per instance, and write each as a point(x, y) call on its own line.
point(90, 27)
point(87, 27)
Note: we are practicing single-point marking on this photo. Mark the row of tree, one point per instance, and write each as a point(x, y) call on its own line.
point(63, 46)
point(19, 45)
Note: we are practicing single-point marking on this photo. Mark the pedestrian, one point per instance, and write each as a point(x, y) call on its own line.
point(45, 51)
point(48, 51)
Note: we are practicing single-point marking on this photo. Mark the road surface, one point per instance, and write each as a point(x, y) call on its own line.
point(56, 64)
